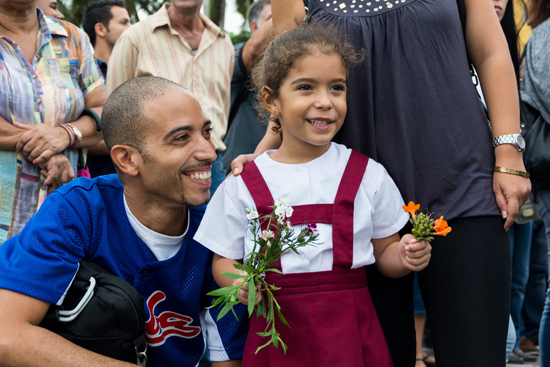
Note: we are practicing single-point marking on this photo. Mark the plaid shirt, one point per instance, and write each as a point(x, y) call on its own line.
point(50, 90)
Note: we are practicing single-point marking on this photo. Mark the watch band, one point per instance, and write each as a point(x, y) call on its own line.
point(513, 139)
point(511, 171)
point(77, 134)
point(71, 135)
point(93, 115)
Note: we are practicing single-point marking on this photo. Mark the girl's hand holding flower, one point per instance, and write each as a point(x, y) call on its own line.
point(242, 296)
point(415, 255)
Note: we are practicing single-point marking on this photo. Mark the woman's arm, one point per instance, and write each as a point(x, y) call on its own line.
point(94, 100)
point(269, 141)
point(287, 14)
point(40, 142)
point(489, 53)
point(9, 135)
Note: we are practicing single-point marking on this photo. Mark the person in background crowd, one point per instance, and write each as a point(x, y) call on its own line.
point(520, 234)
point(422, 358)
point(48, 83)
point(535, 91)
point(138, 225)
point(181, 44)
point(50, 7)
point(535, 291)
point(104, 21)
point(244, 130)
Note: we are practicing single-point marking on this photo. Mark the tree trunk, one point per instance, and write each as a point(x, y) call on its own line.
point(217, 12)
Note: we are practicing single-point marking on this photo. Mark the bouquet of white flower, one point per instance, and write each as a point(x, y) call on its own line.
point(270, 244)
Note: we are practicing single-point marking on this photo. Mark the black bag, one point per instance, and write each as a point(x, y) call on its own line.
point(102, 313)
point(536, 133)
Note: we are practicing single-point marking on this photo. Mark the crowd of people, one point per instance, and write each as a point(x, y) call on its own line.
point(116, 140)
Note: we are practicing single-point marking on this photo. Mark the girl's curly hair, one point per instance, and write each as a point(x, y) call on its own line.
point(281, 54)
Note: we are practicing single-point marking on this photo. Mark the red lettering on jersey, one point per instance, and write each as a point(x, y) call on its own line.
point(167, 324)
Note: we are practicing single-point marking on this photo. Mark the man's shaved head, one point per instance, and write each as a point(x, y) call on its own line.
point(123, 120)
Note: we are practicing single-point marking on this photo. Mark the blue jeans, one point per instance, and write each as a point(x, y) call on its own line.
point(217, 174)
point(535, 292)
point(520, 245)
point(419, 308)
point(541, 199)
point(510, 339)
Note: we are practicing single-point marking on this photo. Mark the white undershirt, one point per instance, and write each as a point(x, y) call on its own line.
point(162, 246)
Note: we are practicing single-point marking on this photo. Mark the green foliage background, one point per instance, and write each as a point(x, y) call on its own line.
point(214, 9)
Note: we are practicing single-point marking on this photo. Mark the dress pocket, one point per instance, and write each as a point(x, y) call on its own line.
point(64, 72)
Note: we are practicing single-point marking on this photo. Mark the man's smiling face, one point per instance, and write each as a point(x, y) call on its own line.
point(178, 152)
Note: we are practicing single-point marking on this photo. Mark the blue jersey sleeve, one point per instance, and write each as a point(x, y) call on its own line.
point(42, 260)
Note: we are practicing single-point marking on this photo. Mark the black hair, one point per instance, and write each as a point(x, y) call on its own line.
point(98, 12)
point(281, 54)
point(510, 29)
point(123, 120)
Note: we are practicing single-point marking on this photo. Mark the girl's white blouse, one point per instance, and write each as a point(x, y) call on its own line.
point(378, 211)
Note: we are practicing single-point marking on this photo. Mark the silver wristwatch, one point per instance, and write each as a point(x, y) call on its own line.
point(514, 139)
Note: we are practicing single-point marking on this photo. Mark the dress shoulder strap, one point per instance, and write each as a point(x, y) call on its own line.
point(342, 217)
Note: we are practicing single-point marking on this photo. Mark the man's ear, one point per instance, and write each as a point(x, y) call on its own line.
point(100, 30)
point(270, 102)
point(127, 159)
point(253, 26)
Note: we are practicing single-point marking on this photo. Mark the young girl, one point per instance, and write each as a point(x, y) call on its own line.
point(357, 207)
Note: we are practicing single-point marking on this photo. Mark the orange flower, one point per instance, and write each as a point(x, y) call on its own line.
point(440, 227)
point(411, 208)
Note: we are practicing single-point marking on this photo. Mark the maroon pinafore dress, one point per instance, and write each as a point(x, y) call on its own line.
point(331, 316)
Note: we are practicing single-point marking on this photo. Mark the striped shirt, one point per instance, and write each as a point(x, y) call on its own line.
point(50, 90)
point(153, 48)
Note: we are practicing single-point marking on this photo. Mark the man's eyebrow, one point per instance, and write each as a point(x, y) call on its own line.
point(184, 128)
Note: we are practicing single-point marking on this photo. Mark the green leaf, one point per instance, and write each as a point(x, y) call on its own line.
point(221, 291)
point(228, 306)
point(235, 275)
point(263, 346)
point(217, 302)
point(282, 318)
point(248, 269)
point(275, 339)
point(261, 307)
point(285, 348)
point(274, 270)
point(251, 296)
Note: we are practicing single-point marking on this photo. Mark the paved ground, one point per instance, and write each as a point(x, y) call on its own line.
point(536, 363)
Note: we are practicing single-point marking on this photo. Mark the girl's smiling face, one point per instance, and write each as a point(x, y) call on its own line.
point(311, 106)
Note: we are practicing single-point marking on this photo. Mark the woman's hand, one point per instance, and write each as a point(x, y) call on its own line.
point(41, 142)
point(414, 255)
point(239, 162)
point(510, 193)
point(57, 170)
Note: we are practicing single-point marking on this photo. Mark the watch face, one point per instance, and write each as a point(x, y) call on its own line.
point(77, 132)
point(521, 142)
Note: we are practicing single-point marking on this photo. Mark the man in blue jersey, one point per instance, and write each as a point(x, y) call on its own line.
point(139, 225)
